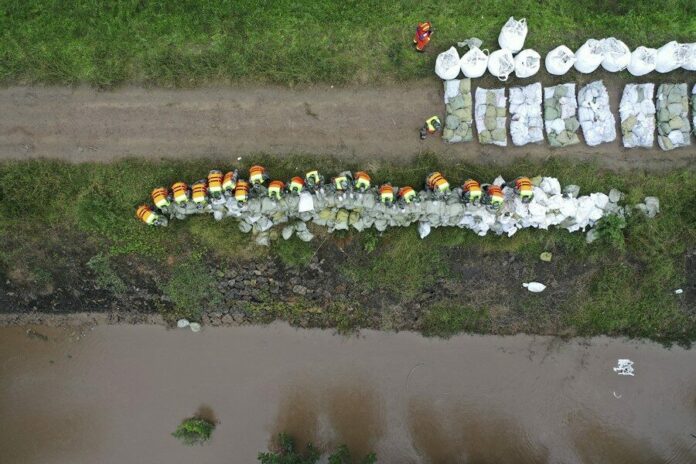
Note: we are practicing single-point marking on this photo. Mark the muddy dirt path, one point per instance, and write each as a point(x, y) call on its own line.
point(113, 394)
point(84, 124)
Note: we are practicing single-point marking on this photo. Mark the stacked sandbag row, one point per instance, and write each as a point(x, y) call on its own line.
point(526, 121)
point(361, 210)
point(637, 112)
point(491, 114)
point(673, 127)
point(458, 107)
point(596, 119)
point(560, 106)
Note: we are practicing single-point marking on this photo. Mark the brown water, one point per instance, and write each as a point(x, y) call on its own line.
point(115, 394)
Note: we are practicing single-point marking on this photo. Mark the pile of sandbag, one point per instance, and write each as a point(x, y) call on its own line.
point(361, 210)
point(673, 127)
point(596, 119)
point(526, 122)
point(490, 113)
point(560, 106)
point(458, 108)
point(637, 112)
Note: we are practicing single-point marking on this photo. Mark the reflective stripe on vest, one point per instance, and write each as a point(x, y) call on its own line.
point(180, 191)
point(215, 181)
point(241, 192)
point(472, 186)
point(159, 197)
point(146, 215)
point(198, 193)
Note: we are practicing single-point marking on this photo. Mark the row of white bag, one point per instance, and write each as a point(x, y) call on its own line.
point(612, 54)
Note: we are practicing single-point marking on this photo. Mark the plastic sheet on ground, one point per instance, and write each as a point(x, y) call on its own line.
point(526, 121)
point(595, 116)
point(458, 109)
point(490, 114)
point(673, 126)
point(560, 106)
point(637, 112)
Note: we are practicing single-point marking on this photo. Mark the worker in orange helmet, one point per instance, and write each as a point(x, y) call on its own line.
point(275, 189)
point(149, 217)
point(386, 195)
point(422, 36)
point(494, 196)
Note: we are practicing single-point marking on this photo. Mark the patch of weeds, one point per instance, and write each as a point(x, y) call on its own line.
point(106, 277)
point(191, 288)
point(194, 431)
point(447, 319)
point(345, 318)
point(370, 240)
point(294, 252)
point(610, 231)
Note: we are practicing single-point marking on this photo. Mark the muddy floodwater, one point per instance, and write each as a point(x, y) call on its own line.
point(113, 394)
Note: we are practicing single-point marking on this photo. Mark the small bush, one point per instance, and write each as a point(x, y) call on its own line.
point(610, 231)
point(194, 431)
point(106, 277)
point(287, 454)
point(191, 288)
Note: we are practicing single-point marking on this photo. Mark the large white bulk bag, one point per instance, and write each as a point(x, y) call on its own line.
point(474, 62)
point(501, 64)
point(670, 56)
point(617, 55)
point(559, 60)
point(642, 61)
point(447, 64)
point(512, 34)
point(589, 56)
point(527, 63)
point(690, 60)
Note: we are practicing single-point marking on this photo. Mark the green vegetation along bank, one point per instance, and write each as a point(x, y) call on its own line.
point(71, 243)
point(189, 43)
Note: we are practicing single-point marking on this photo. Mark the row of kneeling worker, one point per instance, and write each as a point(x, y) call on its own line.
point(222, 188)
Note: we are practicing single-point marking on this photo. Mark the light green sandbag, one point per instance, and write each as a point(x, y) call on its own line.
point(499, 135)
point(490, 122)
point(485, 136)
point(500, 112)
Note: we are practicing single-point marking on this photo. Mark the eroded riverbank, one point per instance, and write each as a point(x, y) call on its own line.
point(112, 394)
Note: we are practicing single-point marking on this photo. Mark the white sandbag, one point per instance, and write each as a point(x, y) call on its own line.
point(501, 64)
point(534, 287)
point(527, 63)
point(670, 56)
point(589, 56)
point(642, 61)
point(513, 34)
point(474, 62)
point(617, 55)
point(306, 203)
point(559, 60)
point(526, 121)
point(447, 64)
point(690, 59)
point(637, 113)
point(596, 119)
point(423, 229)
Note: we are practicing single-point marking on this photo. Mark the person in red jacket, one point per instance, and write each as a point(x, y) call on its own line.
point(422, 37)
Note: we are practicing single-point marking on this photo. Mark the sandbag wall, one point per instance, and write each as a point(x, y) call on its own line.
point(362, 210)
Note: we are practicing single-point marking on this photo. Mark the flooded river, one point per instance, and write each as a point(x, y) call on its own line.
point(116, 393)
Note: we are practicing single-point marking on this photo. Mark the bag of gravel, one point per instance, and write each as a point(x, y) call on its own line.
point(526, 122)
point(595, 116)
point(490, 114)
point(637, 113)
point(673, 126)
point(560, 107)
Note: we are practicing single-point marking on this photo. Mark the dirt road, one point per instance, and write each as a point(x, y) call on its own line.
point(85, 124)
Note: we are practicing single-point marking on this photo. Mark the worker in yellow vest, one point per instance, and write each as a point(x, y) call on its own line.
point(494, 196)
point(407, 195)
point(161, 199)
point(296, 185)
point(342, 182)
point(180, 191)
point(313, 180)
point(241, 191)
point(524, 188)
point(215, 183)
point(471, 192)
point(436, 182)
point(199, 193)
point(275, 189)
point(362, 181)
point(386, 194)
point(432, 125)
point(229, 182)
point(149, 217)
point(257, 175)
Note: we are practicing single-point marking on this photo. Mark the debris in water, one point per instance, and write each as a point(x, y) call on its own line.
point(534, 287)
point(624, 367)
point(31, 333)
point(195, 327)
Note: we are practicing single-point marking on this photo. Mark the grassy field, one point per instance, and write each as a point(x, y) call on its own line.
point(52, 213)
point(190, 43)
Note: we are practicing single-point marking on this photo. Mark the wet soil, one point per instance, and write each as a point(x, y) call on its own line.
point(113, 394)
point(85, 124)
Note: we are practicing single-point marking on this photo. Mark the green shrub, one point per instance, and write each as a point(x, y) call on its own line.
point(194, 431)
point(610, 231)
point(106, 277)
point(191, 288)
point(286, 453)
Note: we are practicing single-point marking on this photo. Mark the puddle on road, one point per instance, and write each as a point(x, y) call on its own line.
point(116, 393)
